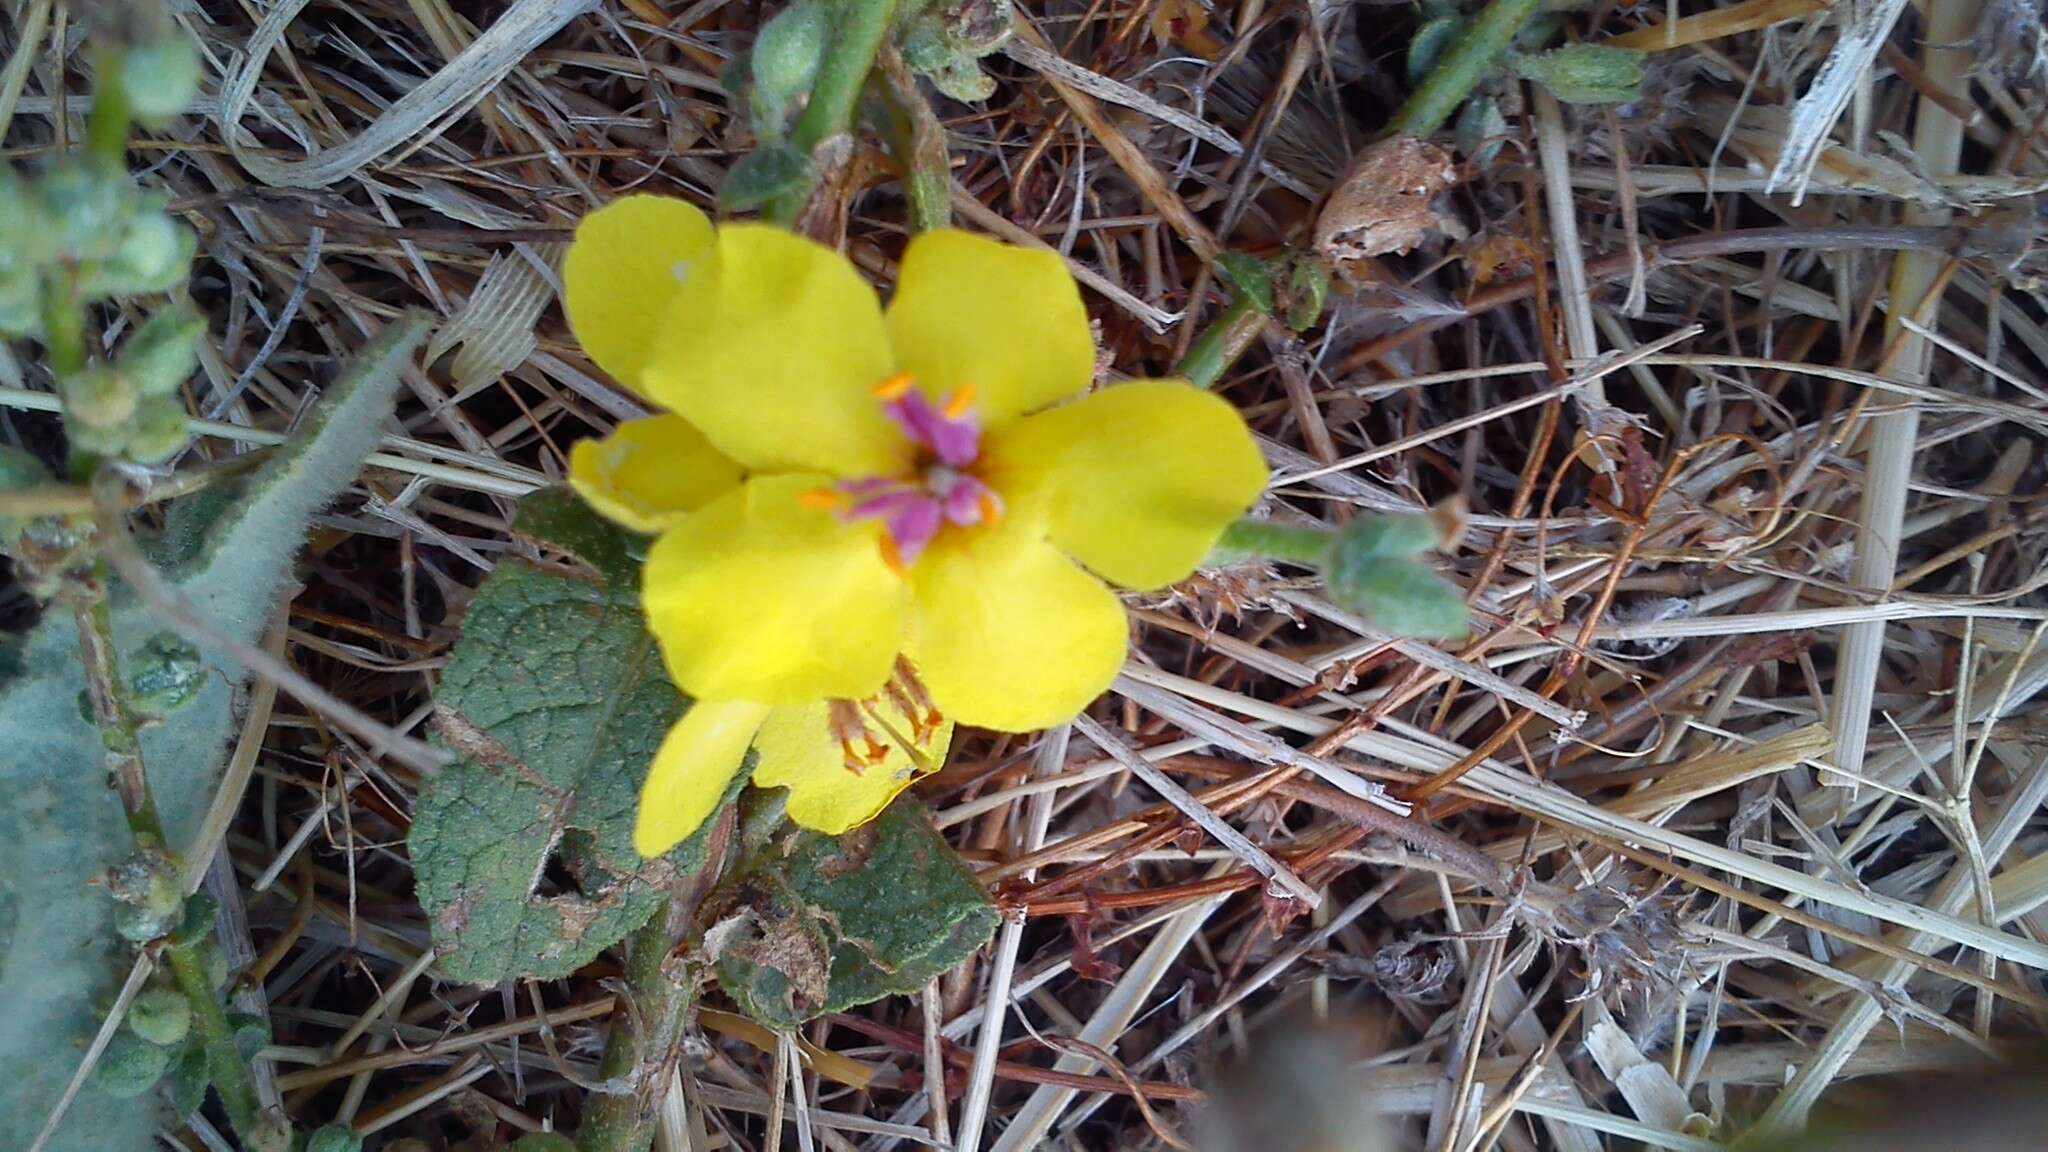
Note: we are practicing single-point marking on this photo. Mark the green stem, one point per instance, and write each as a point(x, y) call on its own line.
point(1464, 64)
point(644, 1043)
point(1229, 338)
point(106, 131)
point(1269, 539)
point(858, 28)
point(224, 1064)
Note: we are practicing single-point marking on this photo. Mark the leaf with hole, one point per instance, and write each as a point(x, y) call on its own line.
point(555, 700)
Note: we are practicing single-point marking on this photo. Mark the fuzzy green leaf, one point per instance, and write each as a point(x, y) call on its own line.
point(764, 174)
point(1587, 73)
point(61, 829)
point(815, 923)
point(1401, 596)
point(555, 699)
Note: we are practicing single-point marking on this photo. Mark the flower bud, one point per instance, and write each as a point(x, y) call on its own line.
point(98, 398)
point(161, 75)
point(130, 1066)
point(336, 1138)
point(154, 255)
point(1587, 73)
point(161, 1016)
point(146, 884)
point(159, 431)
point(161, 354)
point(164, 675)
point(86, 208)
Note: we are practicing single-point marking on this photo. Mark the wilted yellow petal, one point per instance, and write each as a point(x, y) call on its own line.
point(1008, 633)
point(1008, 322)
point(649, 473)
point(778, 365)
point(632, 260)
point(797, 750)
point(701, 755)
point(765, 595)
point(1136, 481)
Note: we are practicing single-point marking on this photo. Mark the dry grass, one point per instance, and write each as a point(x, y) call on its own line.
point(1736, 786)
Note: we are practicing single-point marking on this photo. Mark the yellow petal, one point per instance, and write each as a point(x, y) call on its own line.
point(797, 750)
point(1008, 322)
point(1137, 481)
point(778, 366)
point(700, 756)
point(763, 595)
point(631, 261)
point(1007, 633)
point(650, 473)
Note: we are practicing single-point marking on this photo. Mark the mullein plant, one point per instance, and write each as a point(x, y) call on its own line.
point(114, 725)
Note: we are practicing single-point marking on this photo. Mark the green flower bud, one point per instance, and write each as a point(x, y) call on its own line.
point(337, 1138)
point(161, 1016)
point(217, 971)
point(161, 76)
point(252, 1035)
point(146, 884)
point(1587, 73)
point(785, 63)
point(161, 354)
point(98, 398)
point(160, 430)
point(130, 1066)
point(86, 208)
point(165, 675)
point(154, 255)
point(97, 441)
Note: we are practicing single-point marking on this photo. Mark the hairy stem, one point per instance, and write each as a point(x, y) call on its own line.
point(106, 132)
point(919, 143)
point(224, 1064)
point(106, 692)
point(1267, 538)
point(1464, 64)
point(646, 1038)
point(858, 28)
point(1229, 338)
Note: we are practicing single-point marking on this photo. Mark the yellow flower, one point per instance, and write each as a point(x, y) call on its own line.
point(839, 488)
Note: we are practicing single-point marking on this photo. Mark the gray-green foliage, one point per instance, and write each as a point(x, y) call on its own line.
point(944, 41)
point(1374, 568)
point(815, 923)
point(229, 551)
point(555, 700)
point(1586, 73)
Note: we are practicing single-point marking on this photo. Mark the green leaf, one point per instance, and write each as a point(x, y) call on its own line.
point(61, 829)
point(1251, 276)
point(1587, 73)
point(555, 700)
point(1372, 536)
point(1401, 596)
point(189, 1078)
point(130, 1066)
point(784, 63)
point(1308, 290)
point(768, 172)
point(816, 923)
point(1429, 43)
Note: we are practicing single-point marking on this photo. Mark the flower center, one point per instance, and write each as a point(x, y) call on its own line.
point(941, 487)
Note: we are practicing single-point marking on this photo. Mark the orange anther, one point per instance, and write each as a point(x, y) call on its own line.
point(991, 508)
point(893, 556)
point(960, 403)
point(854, 763)
point(821, 499)
point(895, 387)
